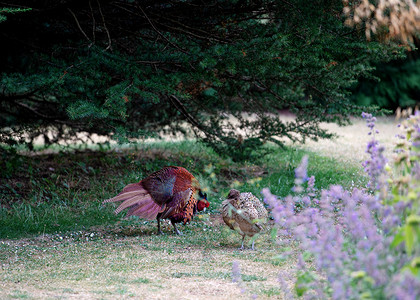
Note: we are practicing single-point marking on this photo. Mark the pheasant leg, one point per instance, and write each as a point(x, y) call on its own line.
point(176, 229)
point(242, 246)
point(158, 221)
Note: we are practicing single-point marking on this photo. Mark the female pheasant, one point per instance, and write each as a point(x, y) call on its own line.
point(165, 194)
point(244, 213)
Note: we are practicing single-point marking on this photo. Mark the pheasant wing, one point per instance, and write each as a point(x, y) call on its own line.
point(227, 214)
point(160, 185)
point(177, 203)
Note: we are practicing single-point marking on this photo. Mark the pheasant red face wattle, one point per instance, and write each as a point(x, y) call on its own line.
point(202, 205)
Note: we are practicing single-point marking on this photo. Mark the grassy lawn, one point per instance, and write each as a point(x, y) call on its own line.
point(56, 240)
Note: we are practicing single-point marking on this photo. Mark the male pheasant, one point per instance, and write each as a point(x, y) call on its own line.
point(244, 213)
point(169, 193)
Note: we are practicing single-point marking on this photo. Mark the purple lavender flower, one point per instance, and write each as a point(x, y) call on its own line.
point(342, 233)
point(404, 286)
point(416, 170)
point(237, 278)
point(301, 175)
point(375, 165)
point(349, 233)
point(282, 277)
point(311, 184)
point(236, 272)
point(301, 170)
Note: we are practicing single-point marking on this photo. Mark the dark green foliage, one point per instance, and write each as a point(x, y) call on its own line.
point(4, 11)
point(396, 84)
point(134, 68)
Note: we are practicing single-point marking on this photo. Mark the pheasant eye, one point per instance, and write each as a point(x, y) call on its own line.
point(204, 196)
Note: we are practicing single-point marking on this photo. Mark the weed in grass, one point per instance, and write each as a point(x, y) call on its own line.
point(122, 290)
point(182, 274)
point(253, 278)
point(271, 292)
point(19, 295)
point(216, 275)
point(278, 261)
point(113, 279)
point(141, 280)
point(102, 292)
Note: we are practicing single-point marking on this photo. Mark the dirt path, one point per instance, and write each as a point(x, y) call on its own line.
point(350, 145)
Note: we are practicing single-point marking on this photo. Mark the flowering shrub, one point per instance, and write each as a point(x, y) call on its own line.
point(363, 243)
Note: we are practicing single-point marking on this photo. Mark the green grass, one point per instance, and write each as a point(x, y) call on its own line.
point(63, 192)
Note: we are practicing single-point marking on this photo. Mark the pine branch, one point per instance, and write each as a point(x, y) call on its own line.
point(36, 112)
point(190, 31)
point(106, 29)
point(159, 33)
point(12, 97)
point(80, 27)
point(93, 22)
point(181, 108)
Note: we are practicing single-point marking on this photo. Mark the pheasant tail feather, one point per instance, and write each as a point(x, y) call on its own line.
point(139, 200)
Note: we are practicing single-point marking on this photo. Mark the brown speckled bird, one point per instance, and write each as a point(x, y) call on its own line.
point(169, 193)
point(244, 213)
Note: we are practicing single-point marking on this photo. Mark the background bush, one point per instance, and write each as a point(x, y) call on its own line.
point(395, 84)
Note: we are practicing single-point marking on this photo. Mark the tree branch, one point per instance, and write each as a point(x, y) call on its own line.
point(181, 108)
point(190, 31)
point(160, 34)
point(93, 22)
point(35, 112)
point(26, 95)
point(106, 29)
point(78, 25)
